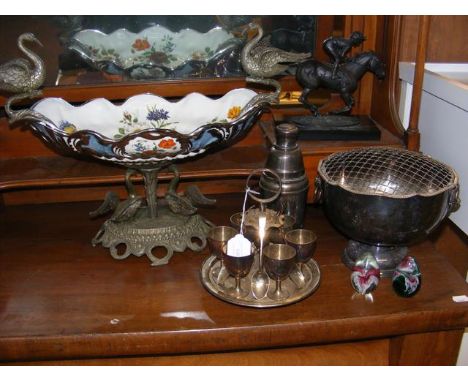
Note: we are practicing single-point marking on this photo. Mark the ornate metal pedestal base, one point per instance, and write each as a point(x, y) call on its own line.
point(141, 235)
point(388, 258)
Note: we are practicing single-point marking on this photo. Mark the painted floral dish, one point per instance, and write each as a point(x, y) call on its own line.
point(146, 131)
point(155, 52)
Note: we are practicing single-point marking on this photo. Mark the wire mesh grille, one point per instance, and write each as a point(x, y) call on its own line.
point(387, 171)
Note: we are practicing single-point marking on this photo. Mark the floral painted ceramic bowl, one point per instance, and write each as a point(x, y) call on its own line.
point(146, 131)
point(154, 48)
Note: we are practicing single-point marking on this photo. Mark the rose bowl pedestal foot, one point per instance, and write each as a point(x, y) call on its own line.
point(388, 258)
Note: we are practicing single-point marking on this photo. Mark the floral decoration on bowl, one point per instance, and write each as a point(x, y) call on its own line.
point(155, 46)
point(146, 130)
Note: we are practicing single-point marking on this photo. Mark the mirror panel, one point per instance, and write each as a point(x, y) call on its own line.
point(93, 50)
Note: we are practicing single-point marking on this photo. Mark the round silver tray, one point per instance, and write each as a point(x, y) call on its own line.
point(312, 280)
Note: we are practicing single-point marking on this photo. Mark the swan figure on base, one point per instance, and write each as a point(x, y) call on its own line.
point(22, 76)
point(261, 61)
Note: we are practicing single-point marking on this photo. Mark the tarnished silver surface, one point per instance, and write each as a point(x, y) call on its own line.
point(390, 172)
point(143, 224)
point(262, 199)
point(22, 76)
point(385, 199)
point(387, 257)
point(261, 61)
point(312, 281)
point(142, 235)
point(285, 159)
point(276, 225)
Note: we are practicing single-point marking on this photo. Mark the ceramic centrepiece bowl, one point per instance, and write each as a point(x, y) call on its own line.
point(154, 52)
point(146, 134)
point(146, 131)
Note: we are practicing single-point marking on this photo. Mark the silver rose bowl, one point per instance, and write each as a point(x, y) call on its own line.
point(385, 199)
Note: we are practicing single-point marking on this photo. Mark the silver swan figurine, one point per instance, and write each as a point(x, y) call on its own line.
point(261, 61)
point(186, 203)
point(22, 76)
point(122, 211)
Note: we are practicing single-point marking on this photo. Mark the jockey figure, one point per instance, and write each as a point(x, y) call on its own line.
point(338, 47)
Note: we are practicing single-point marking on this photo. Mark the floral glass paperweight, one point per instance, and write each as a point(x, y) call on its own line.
point(146, 134)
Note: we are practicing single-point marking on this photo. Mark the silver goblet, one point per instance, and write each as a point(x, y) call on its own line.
point(238, 267)
point(279, 260)
point(217, 239)
point(304, 241)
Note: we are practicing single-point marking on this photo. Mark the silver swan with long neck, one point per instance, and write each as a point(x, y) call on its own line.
point(260, 61)
point(22, 76)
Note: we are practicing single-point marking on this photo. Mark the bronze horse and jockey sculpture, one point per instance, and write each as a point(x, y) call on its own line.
point(337, 48)
point(341, 76)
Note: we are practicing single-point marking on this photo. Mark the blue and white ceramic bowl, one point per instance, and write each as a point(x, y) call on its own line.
point(146, 131)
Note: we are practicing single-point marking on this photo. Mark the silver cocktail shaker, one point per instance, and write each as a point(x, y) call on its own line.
point(285, 158)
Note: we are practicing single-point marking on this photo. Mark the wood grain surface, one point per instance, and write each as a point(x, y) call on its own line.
point(349, 354)
point(45, 179)
point(61, 298)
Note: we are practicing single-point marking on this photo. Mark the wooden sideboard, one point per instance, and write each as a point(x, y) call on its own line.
point(65, 302)
point(31, 172)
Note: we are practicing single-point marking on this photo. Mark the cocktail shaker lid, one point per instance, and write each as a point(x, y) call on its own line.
point(285, 158)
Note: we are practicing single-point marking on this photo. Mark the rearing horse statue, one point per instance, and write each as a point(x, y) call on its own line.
point(313, 74)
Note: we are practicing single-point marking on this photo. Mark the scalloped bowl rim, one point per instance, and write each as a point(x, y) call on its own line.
point(76, 44)
point(125, 30)
point(109, 104)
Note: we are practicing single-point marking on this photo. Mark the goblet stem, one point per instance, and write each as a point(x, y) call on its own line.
point(278, 288)
point(237, 292)
point(151, 182)
point(238, 286)
point(279, 294)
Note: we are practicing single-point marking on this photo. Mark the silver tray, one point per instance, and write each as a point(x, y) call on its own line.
point(311, 271)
